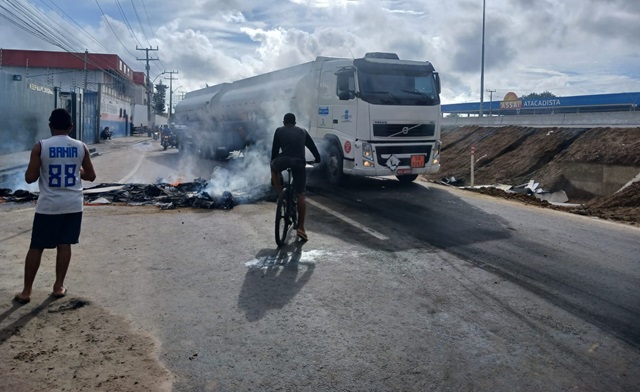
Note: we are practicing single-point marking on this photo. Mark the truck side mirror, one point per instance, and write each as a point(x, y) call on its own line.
point(344, 95)
point(437, 78)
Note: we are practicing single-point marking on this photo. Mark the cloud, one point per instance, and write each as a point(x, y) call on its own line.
point(589, 46)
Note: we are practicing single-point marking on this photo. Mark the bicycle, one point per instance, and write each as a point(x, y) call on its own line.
point(286, 210)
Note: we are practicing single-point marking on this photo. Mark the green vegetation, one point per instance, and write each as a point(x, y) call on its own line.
point(159, 99)
point(544, 94)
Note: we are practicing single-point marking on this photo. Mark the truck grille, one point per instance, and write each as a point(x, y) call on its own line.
point(386, 130)
point(403, 153)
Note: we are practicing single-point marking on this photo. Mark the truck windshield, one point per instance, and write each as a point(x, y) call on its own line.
point(404, 86)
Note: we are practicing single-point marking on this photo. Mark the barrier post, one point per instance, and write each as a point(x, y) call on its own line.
point(473, 153)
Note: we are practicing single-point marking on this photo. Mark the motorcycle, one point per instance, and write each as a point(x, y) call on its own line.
point(169, 139)
point(156, 135)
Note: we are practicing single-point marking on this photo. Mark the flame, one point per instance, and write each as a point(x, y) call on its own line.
point(177, 182)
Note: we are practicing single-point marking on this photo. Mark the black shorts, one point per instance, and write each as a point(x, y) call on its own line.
point(298, 170)
point(49, 231)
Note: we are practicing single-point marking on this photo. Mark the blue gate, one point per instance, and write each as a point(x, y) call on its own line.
point(90, 114)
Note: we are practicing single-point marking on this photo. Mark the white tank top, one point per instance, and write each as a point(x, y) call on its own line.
point(60, 184)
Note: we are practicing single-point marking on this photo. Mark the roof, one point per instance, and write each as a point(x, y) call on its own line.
point(595, 102)
point(66, 60)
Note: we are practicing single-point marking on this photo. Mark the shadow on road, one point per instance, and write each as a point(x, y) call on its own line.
point(273, 279)
point(410, 215)
point(7, 331)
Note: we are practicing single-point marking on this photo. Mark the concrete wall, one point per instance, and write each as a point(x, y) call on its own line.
point(598, 179)
point(613, 119)
point(24, 113)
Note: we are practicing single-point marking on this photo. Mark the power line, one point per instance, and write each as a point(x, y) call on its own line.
point(149, 23)
point(135, 11)
point(152, 33)
point(111, 27)
point(32, 20)
point(75, 24)
point(25, 17)
point(126, 21)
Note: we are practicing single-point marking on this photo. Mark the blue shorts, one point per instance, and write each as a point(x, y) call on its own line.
point(49, 231)
point(297, 165)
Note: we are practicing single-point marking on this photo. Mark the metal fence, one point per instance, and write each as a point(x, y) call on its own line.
point(24, 112)
point(25, 107)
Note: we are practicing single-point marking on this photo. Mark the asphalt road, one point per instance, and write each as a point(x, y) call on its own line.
point(417, 287)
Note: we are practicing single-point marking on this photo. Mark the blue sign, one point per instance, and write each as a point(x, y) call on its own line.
point(323, 111)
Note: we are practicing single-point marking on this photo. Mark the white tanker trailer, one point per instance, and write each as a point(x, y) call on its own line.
point(371, 116)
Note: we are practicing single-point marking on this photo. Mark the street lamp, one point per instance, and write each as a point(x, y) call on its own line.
point(157, 76)
point(482, 66)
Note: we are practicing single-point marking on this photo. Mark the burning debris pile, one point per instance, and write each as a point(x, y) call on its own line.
point(20, 195)
point(166, 196)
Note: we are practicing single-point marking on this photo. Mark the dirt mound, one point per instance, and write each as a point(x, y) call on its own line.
point(589, 164)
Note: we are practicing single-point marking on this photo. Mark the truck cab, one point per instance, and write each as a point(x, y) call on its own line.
point(378, 116)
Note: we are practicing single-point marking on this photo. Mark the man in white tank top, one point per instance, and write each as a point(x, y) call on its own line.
point(59, 164)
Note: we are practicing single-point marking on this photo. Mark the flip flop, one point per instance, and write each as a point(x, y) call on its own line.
point(20, 300)
point(64, 292)
point(302, 235)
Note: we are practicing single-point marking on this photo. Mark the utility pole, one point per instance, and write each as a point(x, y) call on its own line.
point(482, 67)
point(149, 85)
point(170, 92)
point(86, 53)
point(490, 100)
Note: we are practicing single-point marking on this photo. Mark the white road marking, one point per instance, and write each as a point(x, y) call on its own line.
point(350, 221)
point(132, 172)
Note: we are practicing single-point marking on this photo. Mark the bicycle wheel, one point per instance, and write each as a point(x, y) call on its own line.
point(294, 210)
point(282, 220)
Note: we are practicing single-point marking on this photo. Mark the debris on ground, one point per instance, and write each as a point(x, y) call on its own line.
point(515, 155)
point(165, 196)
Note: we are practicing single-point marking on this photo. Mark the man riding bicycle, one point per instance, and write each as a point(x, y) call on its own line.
point(292, 140)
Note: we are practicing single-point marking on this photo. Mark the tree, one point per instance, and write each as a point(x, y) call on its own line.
point(544, 94)
point(160, 98)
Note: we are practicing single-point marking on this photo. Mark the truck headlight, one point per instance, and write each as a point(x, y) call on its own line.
point(367, 152)
point(436, 152)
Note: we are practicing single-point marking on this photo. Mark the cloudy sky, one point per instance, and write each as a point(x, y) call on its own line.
point(568, 47)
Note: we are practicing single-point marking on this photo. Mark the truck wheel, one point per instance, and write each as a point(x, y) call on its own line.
point(335, 172)
point(408, 178)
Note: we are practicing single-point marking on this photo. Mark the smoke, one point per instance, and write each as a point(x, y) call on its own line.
point(249, 176)
point(15, 181)
point(247, 173)
point(250, 172)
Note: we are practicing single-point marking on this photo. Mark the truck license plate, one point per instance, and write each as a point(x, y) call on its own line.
point(417, 160)
point(403, 171)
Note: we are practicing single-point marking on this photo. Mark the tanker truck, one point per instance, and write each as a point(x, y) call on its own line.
point(371, 116)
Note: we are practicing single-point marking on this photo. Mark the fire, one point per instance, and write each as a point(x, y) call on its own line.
point(178, 181)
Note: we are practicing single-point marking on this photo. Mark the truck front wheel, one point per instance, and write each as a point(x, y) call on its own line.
point(335, 163)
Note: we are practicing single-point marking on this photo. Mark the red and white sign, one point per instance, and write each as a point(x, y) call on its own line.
point(347, 146)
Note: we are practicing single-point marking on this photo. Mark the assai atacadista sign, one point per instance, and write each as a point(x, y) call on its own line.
point(512, 102)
